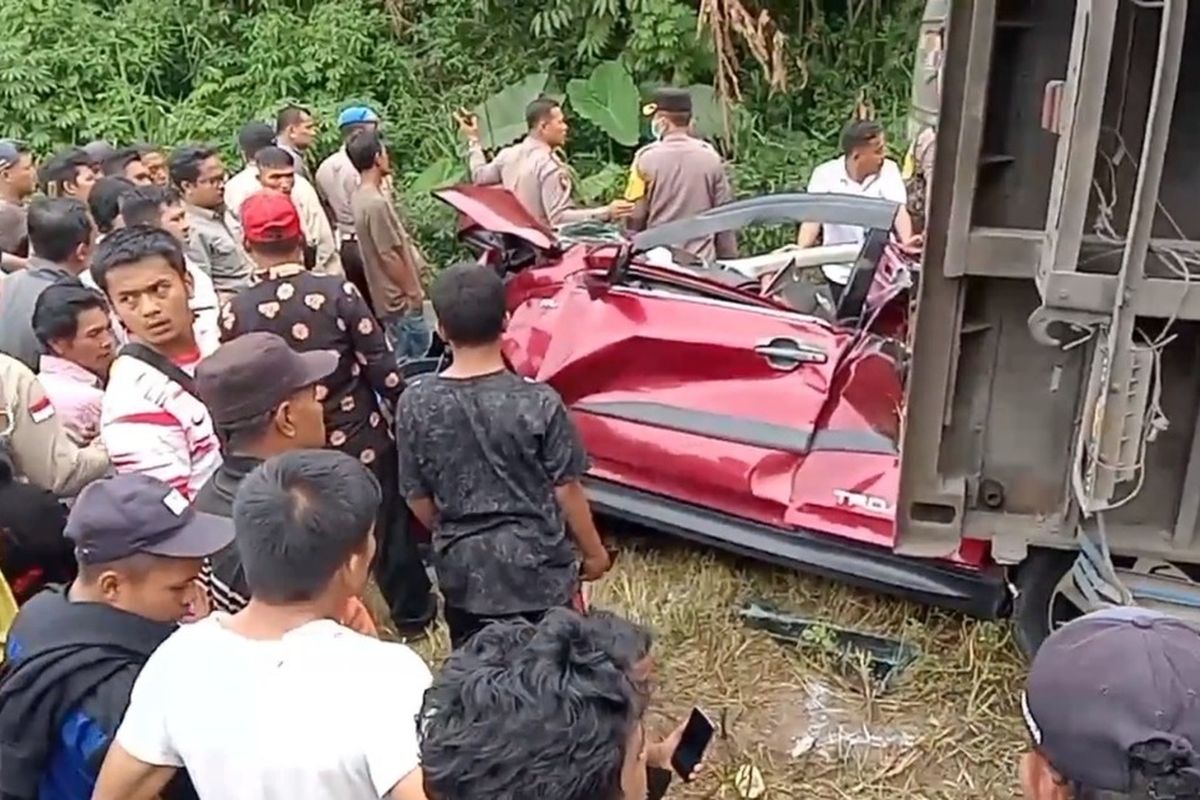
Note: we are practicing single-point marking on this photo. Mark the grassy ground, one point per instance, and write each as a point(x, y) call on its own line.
point(813, 726)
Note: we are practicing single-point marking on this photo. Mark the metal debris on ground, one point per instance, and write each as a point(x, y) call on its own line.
point(886, 658)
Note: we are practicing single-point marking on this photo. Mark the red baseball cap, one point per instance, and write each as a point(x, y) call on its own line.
point(270, 217)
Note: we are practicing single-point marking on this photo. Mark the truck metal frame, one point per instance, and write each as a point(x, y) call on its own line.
point(1059, 267)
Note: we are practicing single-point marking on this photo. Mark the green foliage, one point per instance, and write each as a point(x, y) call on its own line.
point(502, 116)
point(609, 100)
point(171, 71)
point(441, 173)
point(603, 184)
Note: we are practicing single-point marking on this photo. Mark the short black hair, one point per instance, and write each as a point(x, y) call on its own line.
point(243, 433)
point(859, 133)
point(298, 517)
point(363, 148)
point(56, 312)
point(290, 115)
point(184, 163)
point(131, 244)
point(539, 111)
point(625, 640)
point(57, 226)
point(525, 711)
point(143, 205)
point(115, 164)
point(62, 168)
point(146, 148)
point(105, 200)
point(254, 136)
point(273, 158)
point(468, 300)
point(349, 131)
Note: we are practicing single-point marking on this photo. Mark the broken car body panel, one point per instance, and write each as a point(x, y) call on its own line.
point(715, 413)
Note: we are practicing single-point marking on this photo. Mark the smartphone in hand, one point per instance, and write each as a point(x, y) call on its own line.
point(696, 735)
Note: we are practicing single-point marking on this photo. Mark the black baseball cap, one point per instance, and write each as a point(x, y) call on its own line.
point(125, 515)
point(677, 101)
point(254, 373)
point(11, 151)
point(1109, 682)
point(99, 151)
point(254, 136)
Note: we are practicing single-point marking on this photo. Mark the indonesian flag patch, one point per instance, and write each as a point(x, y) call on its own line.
point(41, 410)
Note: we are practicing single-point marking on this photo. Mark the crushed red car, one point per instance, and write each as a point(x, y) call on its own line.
point(722, 412)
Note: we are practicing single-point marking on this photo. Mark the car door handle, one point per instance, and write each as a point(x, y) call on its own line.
point(786, 354)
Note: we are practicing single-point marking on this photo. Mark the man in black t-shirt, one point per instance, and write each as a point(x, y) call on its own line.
point(491, 464)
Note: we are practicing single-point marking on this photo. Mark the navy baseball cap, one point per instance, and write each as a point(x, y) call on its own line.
point(1113, 698)
point(356, 115)
point(118, 517)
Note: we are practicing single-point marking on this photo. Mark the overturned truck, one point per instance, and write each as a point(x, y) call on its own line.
point(1053, 400)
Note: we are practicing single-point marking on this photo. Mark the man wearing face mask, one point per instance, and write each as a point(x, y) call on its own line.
point(678, 176)
point(74, 651)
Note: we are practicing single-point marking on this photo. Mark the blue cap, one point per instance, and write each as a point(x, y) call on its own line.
point(355, 115)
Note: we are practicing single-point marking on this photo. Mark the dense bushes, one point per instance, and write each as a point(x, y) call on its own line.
point(176, 70)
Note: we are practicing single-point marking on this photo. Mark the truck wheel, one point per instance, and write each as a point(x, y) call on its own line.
point(1042, 603)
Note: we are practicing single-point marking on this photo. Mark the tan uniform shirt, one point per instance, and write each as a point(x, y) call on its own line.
point(297, 160)
point(36, 440)
point(682, 176)
point(380, 233)
point(533, 172)
point(318, 233)
point(337, 180)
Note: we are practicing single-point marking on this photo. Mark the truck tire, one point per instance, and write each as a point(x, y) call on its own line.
point(1037, 579)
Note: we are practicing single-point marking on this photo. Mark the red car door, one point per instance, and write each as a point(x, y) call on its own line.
point(709, 401)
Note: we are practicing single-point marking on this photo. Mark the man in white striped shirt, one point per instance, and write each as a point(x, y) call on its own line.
point(152, 421)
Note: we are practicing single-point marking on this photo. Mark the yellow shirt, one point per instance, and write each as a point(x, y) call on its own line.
point(8, 613)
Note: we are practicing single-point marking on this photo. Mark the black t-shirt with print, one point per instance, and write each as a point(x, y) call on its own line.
point(490, 451)
point(323, 312)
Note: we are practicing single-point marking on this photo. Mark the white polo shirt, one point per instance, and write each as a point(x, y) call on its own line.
point(832, 178)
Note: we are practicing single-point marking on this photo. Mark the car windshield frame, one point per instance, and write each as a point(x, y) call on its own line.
point(791, 207)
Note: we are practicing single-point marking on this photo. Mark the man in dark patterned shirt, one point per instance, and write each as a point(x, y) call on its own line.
point(491, 464)
point(322, 312)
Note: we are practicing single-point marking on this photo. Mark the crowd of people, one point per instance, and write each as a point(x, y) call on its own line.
point(213, 438)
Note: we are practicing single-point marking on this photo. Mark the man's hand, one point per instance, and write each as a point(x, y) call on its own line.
point(594, 566)
point(357, 618)
point(81, 434)
point(913, 244)
point(468, 125)
point(659, 754)
point(619, 209)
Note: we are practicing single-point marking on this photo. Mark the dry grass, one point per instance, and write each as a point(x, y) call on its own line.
point(950, 728)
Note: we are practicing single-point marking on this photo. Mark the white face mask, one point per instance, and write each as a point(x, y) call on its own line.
point(658, 128)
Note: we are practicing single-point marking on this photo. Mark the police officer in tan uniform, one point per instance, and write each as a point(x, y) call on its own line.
point(34, 445)
point(533, 170)
point(678, 175)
